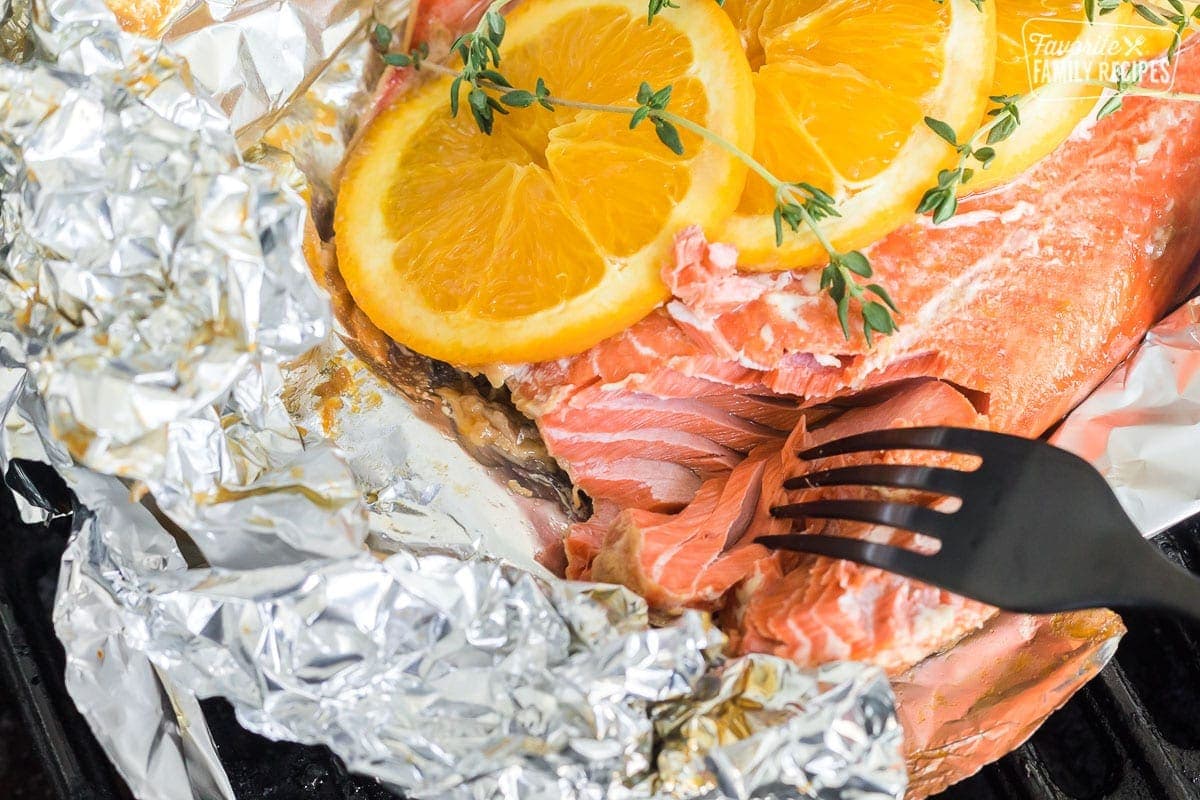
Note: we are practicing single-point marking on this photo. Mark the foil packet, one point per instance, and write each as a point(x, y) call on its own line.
point(366, 586)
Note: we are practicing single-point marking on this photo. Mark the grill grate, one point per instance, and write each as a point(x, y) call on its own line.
point(1134, 734)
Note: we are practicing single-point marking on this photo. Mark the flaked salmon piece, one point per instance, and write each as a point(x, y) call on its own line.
point(831, 610)
point(827, 609)
point(586, 539)
point(723, 433)
point(819, 610)
point(639, 482)
point(694, 557)
point(653, 450)
point(1026, 300)
point(649, 441)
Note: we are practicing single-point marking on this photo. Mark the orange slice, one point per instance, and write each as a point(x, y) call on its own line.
point(549, 235)
point(1053, 107)
point(842, 89)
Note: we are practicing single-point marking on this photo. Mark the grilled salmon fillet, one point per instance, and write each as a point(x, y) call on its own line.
point(812, 610)
point(824, 609)
point(1012, 312)
point(1026, 300)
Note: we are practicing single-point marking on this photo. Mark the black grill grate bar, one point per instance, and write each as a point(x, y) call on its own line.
point(1025, 775)
point(1129, 719)
point(50, 739)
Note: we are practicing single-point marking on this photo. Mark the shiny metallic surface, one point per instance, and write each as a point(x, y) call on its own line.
point(317, 127)
point(256, 56)
point(738, 735)
point(15, 16)
point(265, 520)
point(422, 489)
point(460, 678)
point(1141, 428)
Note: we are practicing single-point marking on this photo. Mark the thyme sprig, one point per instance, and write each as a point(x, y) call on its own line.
point(977, 3)
point(799, 204)
point(942, 199)
point(480, 53)
point(381, 39)
point(1152, 13)
point(1175, 15)
point(656, 7)
point(1121, 87)
point(1095, 9)
point(650, 102)
point(796, 204)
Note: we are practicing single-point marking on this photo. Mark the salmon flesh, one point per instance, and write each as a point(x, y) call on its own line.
point(1011, 313)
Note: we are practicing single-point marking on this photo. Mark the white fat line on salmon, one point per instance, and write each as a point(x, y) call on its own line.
point(685, 316)
point(961, 290)
point(788, 306)
point(641, 347)
point(699, 444)
point(1008, 216)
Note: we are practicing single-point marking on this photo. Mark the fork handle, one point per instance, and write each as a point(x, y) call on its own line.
point(1158, 583)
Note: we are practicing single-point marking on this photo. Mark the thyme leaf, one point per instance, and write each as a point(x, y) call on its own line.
point(941, 200)
point(656, 7)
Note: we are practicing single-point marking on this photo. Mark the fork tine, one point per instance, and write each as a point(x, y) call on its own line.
point(917, 519)
point(955, 440)
point(872, 554)
point(900, 476)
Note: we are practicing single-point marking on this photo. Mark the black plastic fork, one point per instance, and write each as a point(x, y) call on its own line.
point(1038, 529)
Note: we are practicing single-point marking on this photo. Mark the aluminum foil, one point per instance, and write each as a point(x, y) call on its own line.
point(157, 347)
point(14, 29)
point(254, 57)
point(1141, 428)
point(423, 491)
point(452, 678)
point(737, 735)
